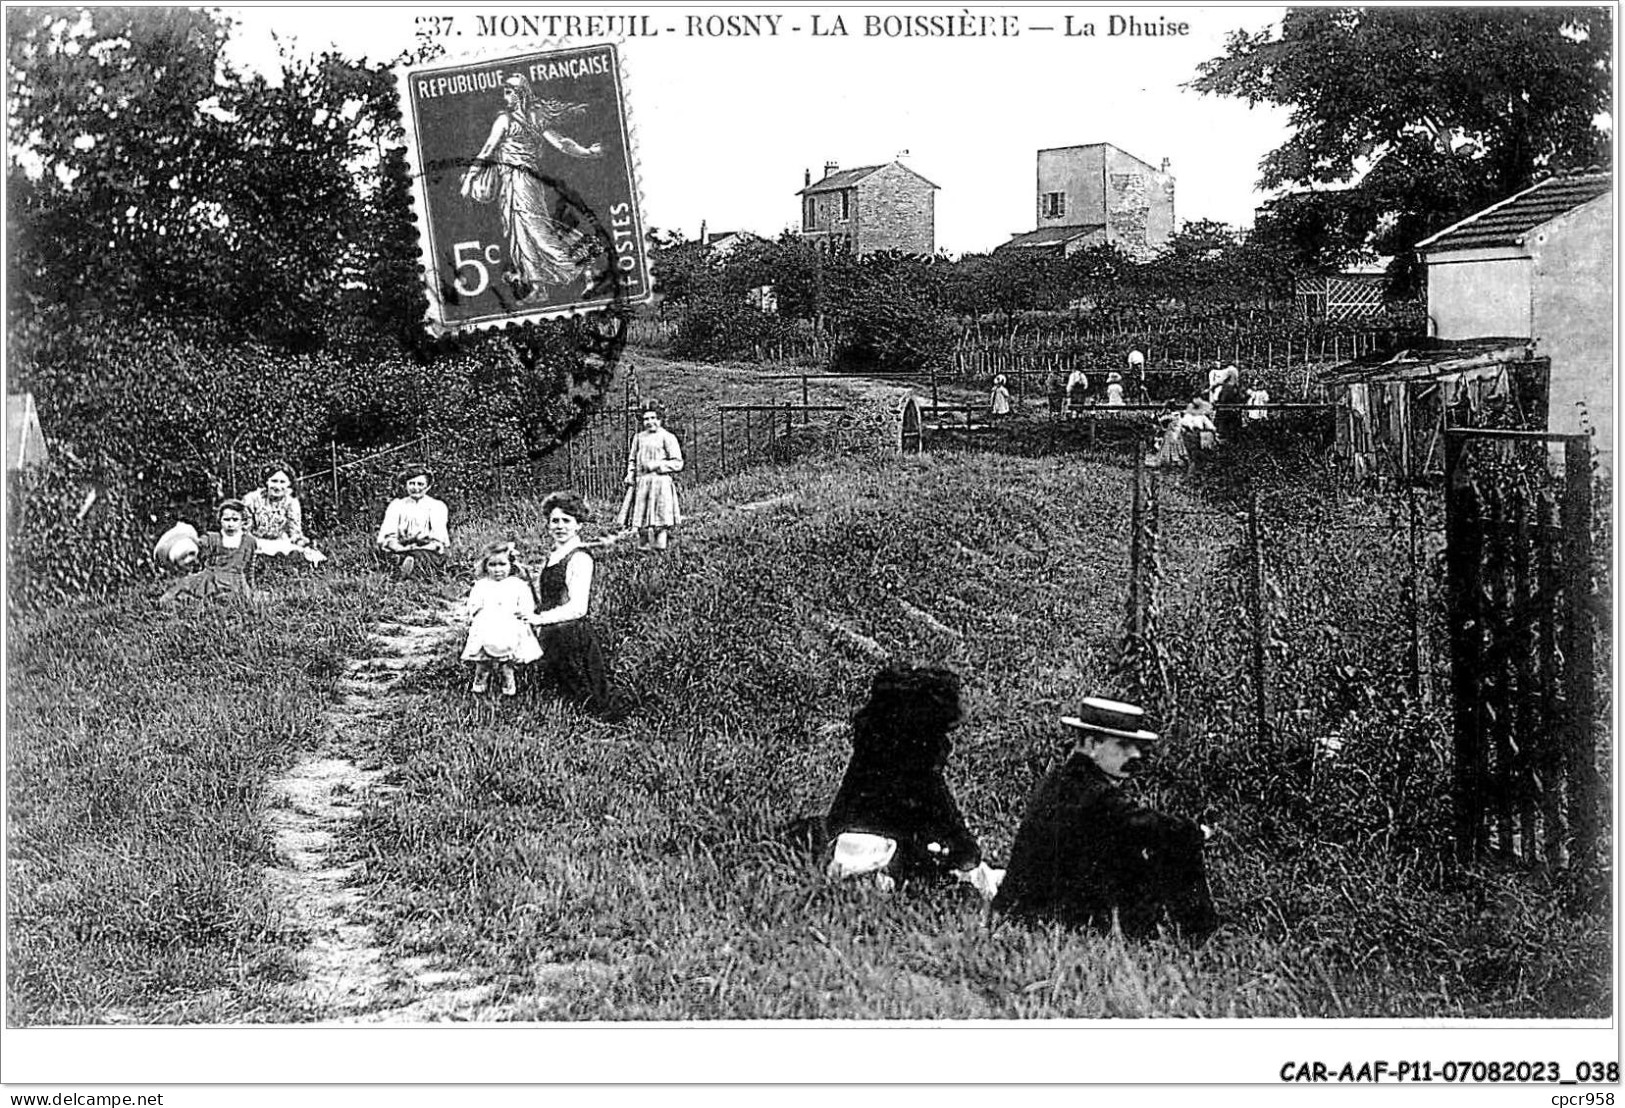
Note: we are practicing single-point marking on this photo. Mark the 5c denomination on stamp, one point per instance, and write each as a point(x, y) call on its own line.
point(525, 187)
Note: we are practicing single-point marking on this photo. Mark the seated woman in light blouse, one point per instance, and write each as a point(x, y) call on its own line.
point(275, 518)
point(413, 539)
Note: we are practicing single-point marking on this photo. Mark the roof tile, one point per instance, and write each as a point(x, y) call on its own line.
point(1507, 223)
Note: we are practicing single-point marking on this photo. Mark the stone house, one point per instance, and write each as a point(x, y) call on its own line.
point(1097, 195)
point(870, 208)
point(1539, 266)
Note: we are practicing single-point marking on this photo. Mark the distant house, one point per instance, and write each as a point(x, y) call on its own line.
point(724, 243)
point(25, 442)
point(870, 208)
point(1098, 195)
point(1540, 266)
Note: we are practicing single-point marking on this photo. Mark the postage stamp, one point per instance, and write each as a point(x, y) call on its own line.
point(524, 187)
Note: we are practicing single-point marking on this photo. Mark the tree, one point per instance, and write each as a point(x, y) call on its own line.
point(207, 263)
point(1428, 114)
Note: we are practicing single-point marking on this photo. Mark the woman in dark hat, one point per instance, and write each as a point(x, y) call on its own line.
point(895, 790)
point(1086, 856)
point(413, 538)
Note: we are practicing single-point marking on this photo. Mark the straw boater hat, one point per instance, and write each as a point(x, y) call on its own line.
point(999, 380)
point(1113, 718)
point(1114, 378)
point(1136, 358)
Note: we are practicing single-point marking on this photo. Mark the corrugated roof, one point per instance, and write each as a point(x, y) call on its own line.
point(1052, 236)
point(1428, 358)
point(1510, 221)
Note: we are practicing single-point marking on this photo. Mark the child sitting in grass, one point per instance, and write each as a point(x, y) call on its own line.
point(498, 606)
point(223, 559)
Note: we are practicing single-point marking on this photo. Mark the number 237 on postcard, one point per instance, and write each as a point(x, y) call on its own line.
point(524, 185)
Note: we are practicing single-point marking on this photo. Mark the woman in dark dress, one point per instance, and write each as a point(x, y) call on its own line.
point(571, 657)
point(894, 786)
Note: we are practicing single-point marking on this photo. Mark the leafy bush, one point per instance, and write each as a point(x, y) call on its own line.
point(721, 328)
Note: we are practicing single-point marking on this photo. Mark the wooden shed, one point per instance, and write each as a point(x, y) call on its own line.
point(1393, 408)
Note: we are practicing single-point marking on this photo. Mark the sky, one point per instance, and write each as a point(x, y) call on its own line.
point(725, 127)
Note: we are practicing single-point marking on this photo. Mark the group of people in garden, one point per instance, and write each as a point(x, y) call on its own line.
point(1083, 856)
point(1185, 428)
point(518, 614)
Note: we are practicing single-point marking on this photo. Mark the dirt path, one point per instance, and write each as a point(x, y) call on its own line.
point(347, 976)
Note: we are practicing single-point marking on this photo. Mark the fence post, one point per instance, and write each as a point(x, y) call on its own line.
point(333, 448)
point(1463, 541)
point(806, 416)
point(1136, 604)
point(1260, 617)
point(1580, 670)
point(1414, 660)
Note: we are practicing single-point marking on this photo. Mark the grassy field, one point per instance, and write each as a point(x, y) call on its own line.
point(638, 869)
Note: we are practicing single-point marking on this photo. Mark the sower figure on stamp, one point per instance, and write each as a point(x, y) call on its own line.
point(543, 251)
point(1086, 856)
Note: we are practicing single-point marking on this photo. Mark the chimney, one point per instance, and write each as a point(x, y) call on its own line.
point(830, 167)
point(1165, 165)
point(806, 178)
point(703, 238)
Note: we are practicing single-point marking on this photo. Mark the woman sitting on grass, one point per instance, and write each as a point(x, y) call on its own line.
point(275, 518)
point(894, 815)
point(223, 559)
point(499, 608)
point(571, 657)
point(413, 537)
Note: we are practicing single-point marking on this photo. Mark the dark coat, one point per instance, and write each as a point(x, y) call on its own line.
point(1084, 851)
point(908, 801)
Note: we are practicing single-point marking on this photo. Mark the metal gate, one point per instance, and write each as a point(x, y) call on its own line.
point(1523, 630)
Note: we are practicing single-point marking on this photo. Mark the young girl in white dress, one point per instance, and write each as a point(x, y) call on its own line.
point(498, 607)
point(999, 401)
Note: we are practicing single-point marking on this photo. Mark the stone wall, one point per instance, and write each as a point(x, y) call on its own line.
point(896, 210)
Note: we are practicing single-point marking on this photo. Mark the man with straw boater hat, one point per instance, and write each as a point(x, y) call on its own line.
point(1086, 856)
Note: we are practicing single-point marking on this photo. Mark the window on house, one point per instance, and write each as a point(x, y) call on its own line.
point(808, 222)
point(846, 203)
point(1054, 205)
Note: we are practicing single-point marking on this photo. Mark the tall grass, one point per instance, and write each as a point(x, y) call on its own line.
point(638, 869)
point(139, 740)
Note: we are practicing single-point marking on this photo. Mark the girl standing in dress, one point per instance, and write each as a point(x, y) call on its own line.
point(571, 656)
point(1000, 400)
point(651, 506)
point(499, 606)
point(1114, 390)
